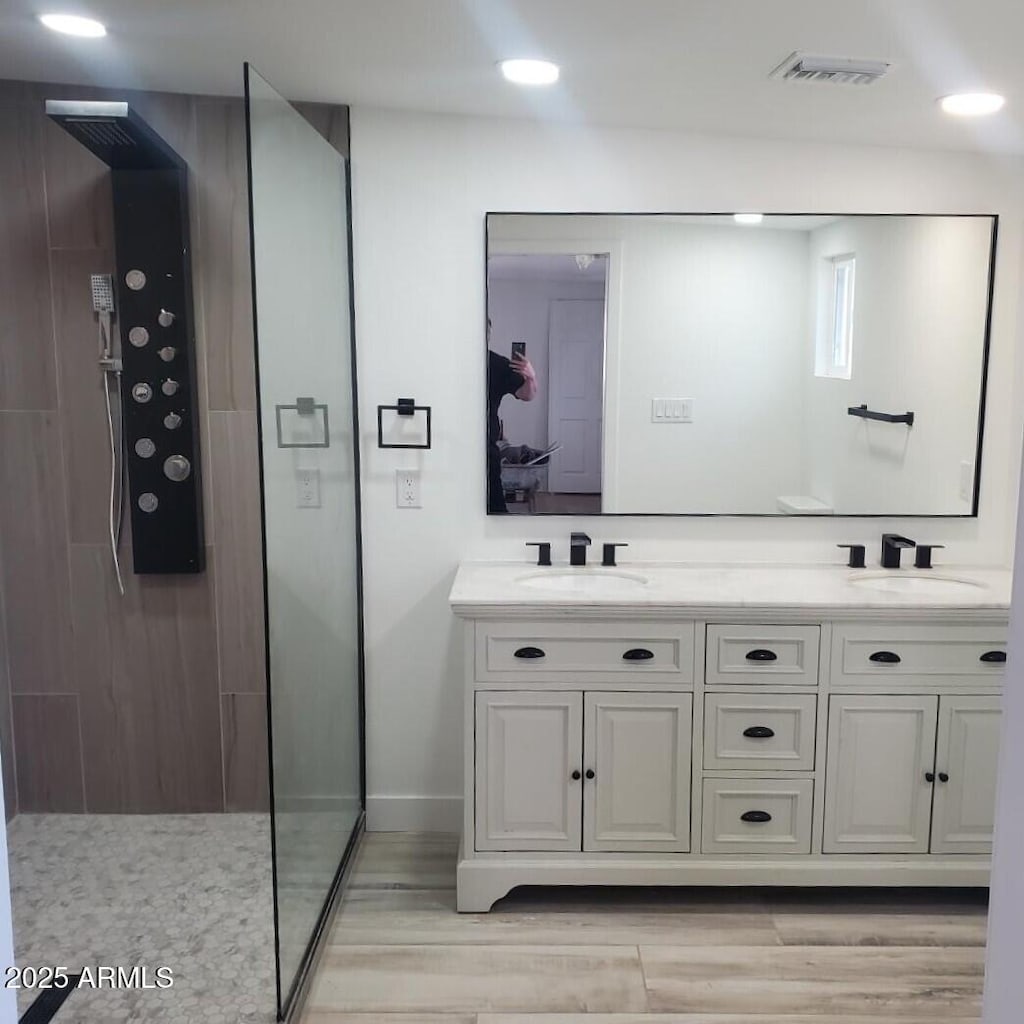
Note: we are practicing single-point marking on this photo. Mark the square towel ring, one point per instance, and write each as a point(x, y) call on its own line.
point(304, 407)
point(405, 407)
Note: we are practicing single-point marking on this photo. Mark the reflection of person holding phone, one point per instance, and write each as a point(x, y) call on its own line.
point(515, 377)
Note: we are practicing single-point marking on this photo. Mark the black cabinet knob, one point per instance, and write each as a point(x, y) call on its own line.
point(590, 773)
point(576, 776)
point(993, 657)
point(929, 776)
point(638, 654)
point(759, 732)
point(757, 817)
point(762, 655)
point(529, 652)
point(886, 657)
point(943, 777)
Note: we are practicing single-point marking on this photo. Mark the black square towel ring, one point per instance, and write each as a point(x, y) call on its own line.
point(405, 407)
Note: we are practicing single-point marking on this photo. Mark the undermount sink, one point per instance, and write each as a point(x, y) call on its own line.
point(895, 582)
point(584, 582)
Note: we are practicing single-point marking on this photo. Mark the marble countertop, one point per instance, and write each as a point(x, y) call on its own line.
point(510, 589)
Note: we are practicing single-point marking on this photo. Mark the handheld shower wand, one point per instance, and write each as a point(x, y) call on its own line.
point(110, 364)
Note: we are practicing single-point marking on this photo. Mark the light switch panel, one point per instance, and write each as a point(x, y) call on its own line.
point(671, 410)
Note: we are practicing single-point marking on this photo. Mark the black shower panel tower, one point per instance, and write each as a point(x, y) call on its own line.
point(158, 385)
point(159, 395)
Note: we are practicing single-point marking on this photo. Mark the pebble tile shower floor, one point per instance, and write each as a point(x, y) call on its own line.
point(188, 892)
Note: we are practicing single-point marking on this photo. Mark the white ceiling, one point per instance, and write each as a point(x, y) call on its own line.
point(545, 267)
point(685, 64)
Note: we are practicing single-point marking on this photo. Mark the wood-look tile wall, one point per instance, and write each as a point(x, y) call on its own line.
point(155, 701)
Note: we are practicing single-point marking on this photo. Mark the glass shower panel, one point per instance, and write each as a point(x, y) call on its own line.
point(300, 249)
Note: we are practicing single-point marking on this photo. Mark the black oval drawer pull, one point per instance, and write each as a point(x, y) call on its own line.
point(762, 655)
point(756, 816)
point(576, 776)
point(529, 652)
point(638, 654)
point(759, 732)
point(886, 657)
point(995, 657)
point(929, 776)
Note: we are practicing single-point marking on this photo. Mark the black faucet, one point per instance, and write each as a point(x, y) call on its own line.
point(578, 544)
point(891, 545)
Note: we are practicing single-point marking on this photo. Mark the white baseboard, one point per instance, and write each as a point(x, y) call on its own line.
point(414, 814)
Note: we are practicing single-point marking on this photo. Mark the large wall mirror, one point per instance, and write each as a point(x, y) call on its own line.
point(736, 364)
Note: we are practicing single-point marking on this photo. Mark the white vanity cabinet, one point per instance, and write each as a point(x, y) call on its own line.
point(579, 771)
point(911, 774)
point(691, 745)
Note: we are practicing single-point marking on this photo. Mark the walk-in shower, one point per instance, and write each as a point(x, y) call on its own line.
point(158, 440)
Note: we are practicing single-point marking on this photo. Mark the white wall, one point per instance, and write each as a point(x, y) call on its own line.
point(422, 184)
point(918, 339)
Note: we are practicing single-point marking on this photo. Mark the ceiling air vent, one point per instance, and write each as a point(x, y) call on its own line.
point(804, 67)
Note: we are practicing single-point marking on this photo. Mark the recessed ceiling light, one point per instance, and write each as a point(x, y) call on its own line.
point(74, 25)
point(972, 104)
point(748, 218)
point(530, 72)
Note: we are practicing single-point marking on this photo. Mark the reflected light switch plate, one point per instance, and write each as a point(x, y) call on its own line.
point(671, 410)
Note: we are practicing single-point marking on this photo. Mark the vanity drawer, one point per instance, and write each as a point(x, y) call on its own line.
point(755, 732)
point(751, 654)
point(613, 652)
point(874, 654)
point(757, 816)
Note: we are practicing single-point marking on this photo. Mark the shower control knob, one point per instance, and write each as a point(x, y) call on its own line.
point(177, 468)
point(142, 392)
point(166, 318)
point(170, 387)
point(135, 279)
point(172, 421)
point(148, 502)
point(167, 353)
point(145, 447)
point(139, 337)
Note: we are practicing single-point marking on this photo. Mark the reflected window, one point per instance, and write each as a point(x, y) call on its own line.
point(835, 349)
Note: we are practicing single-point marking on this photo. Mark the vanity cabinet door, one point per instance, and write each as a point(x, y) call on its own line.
point(529, 765)
point(965, 769)
point(637, 763)
point(878, 777)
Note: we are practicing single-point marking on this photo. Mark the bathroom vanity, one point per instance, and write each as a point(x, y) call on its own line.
point(728, 725)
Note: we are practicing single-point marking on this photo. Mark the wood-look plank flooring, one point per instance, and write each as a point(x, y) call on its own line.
point(398, 952)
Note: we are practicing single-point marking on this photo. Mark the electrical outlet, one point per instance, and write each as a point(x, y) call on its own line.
point(307, 488)
point(407, 488)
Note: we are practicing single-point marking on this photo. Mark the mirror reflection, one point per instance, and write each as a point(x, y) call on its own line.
point(736, 364)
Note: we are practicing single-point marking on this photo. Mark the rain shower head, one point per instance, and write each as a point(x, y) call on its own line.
point(115, 133)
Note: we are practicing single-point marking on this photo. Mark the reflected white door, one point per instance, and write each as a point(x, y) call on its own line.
point(966, 759)
point(576, 394)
